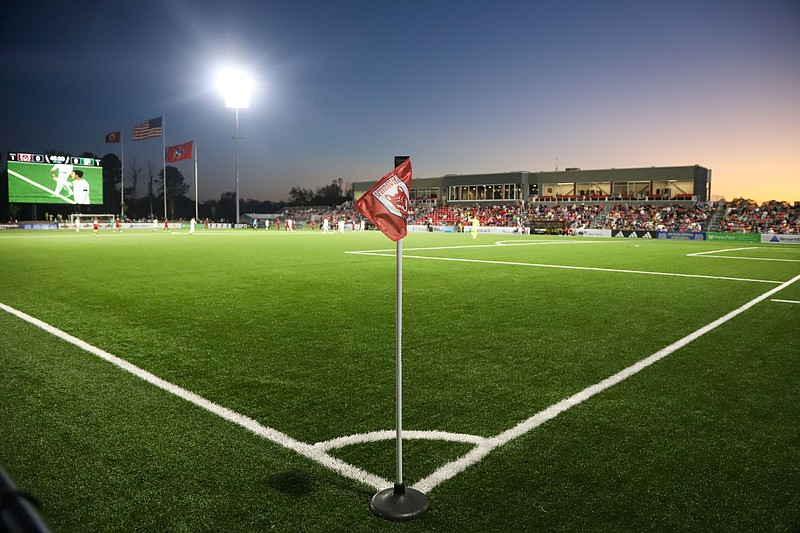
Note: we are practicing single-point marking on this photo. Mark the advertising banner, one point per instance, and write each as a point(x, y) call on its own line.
point(780, 239)
point(733, 237)
point(682, 235)
point(633, 234)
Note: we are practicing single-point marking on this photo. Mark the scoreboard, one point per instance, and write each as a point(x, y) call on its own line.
point(54, 179)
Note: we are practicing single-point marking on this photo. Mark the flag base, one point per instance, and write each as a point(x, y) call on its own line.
point(399, 503)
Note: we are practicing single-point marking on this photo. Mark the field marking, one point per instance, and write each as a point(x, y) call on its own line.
point(712, 254)
point(786, 301)
point(317, 454)
point(385, 253)
point(457, 466)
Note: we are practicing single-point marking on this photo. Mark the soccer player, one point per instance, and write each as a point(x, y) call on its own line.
point(95, 226)
point(166, 225)
point(62, 173)
point(326, 224)
point(80, 188)
point(117, 225)
point(475, 225)
point(155, 223)
point(191, 226)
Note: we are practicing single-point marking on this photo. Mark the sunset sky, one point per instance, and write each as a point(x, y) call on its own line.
point(463, 87)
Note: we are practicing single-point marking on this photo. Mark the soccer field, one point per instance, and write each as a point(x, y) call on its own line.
point(245, 381)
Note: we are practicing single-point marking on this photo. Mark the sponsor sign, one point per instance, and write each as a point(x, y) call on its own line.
point(591, 232)
point(634, 234)
point(780, 239)
point(733, 237)
point(682, 235)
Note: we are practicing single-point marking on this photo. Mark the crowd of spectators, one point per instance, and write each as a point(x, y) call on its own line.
point(746, 216)
point(670, 217)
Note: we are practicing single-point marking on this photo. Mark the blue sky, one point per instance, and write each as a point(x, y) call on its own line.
point(463, 87)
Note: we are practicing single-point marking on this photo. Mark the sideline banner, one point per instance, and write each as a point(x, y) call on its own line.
point(591, 232)
point(780, 239)
point(734, 237)
point(682, 235)
point(634, 234)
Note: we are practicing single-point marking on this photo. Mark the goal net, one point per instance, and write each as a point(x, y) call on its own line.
point(78, 221)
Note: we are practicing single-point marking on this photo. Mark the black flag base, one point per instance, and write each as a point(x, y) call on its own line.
point(399, 503)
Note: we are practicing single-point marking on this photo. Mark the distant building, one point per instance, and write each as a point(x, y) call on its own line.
point(650, 183)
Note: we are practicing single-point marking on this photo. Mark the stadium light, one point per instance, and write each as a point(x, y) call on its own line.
point(236, 86)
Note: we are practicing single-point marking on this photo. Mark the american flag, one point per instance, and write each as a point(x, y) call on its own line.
point(147, 129)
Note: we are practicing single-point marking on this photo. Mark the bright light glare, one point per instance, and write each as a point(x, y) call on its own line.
point(236, 86)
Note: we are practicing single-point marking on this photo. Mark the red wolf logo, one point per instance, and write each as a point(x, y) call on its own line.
point(399, 201)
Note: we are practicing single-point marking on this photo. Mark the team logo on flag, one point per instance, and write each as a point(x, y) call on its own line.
point(386, 203)
point(393, 194)
point(177, 153)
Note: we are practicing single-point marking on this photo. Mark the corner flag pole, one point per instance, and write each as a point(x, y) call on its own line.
point(399, 502)
point(399, 361)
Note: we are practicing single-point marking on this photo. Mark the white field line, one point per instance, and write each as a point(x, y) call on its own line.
point(713, 253)
point(568, 267)
point(317, 454)
point(786, 301)
point(488, 445)
point(721, 251)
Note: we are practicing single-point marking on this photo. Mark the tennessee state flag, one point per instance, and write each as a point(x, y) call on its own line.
point(386, 203)
point(179, 152)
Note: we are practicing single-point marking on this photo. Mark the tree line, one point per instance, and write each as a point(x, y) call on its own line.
point(144, 196)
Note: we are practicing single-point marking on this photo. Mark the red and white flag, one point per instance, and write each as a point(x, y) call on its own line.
point(386, 203)
point(179, 152)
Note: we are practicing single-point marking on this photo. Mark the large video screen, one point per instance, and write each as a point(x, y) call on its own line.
point(54, 179)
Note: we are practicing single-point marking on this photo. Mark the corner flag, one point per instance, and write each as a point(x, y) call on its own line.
point(386, 203)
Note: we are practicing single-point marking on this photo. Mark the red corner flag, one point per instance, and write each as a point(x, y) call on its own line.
point(386, 203)
point(179, 152)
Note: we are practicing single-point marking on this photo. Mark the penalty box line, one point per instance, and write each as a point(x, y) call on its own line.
point(480, 451)
point(312, 452)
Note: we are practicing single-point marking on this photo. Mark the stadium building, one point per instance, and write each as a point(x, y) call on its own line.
point(573, 184)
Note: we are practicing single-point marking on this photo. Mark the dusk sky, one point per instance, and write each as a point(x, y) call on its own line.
point(463, 87)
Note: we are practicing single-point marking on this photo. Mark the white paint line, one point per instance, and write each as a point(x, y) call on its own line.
point(479, 452)
point(786, 301)
point(721, 251)
point(463, 246)
point(570, 267)
point(270, 434)
point(376, 436)
point(752, 258)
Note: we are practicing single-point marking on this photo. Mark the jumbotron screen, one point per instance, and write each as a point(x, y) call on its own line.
point(54, 179)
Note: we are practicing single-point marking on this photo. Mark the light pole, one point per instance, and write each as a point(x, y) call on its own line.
point(236, 85)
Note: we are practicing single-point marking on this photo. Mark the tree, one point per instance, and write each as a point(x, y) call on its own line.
point(300, 196)
point(151, 173)
point(176, 189)
point(135, 174)
point(332, 194)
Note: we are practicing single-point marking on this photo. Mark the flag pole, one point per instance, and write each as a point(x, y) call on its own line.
point(122, 177)
point(399, 502)
point(196, 212)
point(399, 361)
point(164, 159)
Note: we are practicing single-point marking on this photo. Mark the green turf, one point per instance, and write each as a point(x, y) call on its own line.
point(293, 332)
